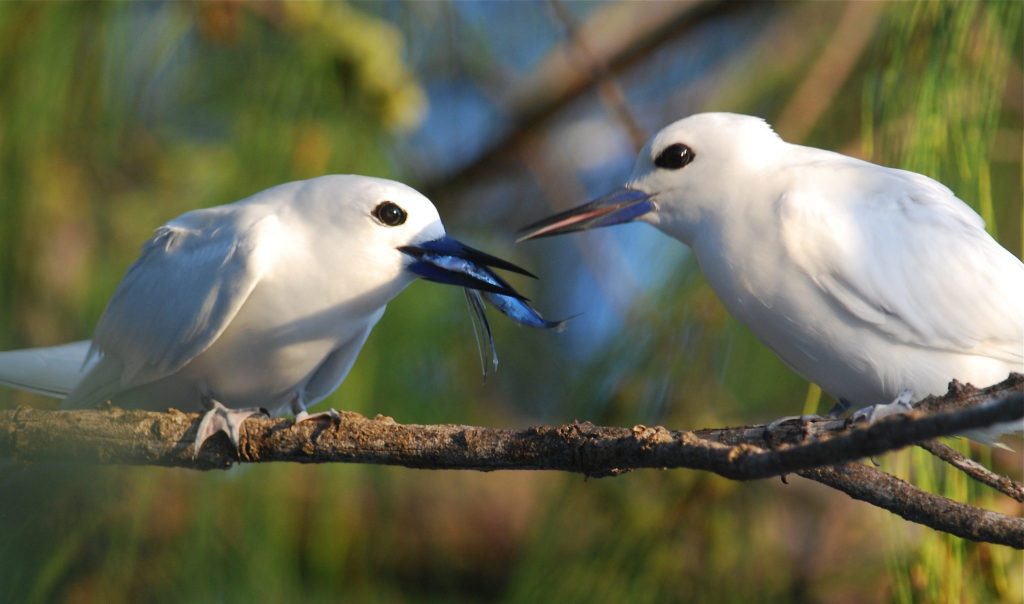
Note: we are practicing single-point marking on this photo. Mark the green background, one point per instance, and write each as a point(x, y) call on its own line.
point(115, 117)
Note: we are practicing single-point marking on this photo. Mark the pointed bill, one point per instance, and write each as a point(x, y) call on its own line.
point(621, 205)
point(447, 260)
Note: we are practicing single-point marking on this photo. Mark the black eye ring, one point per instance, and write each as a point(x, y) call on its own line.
point(674, 157)
point(389, 213)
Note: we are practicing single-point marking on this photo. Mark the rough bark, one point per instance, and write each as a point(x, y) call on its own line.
point(1003, 484)
point(743, 453)
point(907, 501)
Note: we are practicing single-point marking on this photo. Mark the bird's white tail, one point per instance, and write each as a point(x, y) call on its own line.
point(51, 371)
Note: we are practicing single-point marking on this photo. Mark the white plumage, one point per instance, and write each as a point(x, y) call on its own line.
point(864, 279)
point(265, 302)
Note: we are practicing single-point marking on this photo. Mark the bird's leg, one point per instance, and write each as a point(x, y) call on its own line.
point(900, 406)
point(301, 415)
point(803, 419)
point(219, 418)
point(331, 414)
point(839, 409)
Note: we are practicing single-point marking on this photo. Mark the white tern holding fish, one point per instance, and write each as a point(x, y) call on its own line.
point(265, 302)
point(875, 283)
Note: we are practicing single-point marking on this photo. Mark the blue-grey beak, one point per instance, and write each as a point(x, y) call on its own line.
point(447, 260)
point(621, 205)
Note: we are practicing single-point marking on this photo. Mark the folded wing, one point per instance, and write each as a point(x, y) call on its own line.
point(901, 253)
point(190, 281)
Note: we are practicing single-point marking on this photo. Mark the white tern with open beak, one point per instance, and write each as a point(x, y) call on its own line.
point(265, 302)
point(873, 282)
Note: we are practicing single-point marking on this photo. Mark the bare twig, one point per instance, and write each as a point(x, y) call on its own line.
point(975, 470)
point(744, 453)
point(902, 498)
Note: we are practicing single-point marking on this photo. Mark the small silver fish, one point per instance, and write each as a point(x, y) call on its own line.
point(521, 312)
point(447, 260)
point(514, 306)
point(461, 265)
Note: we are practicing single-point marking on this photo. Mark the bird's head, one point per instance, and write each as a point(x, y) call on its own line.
point(391, 234)
point(394, 234)
point(691, 169)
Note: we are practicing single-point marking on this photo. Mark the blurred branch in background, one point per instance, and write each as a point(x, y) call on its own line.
point(830, 71)
point(744, 453)
point(559, 183)
point(616, 36)
point(590, 63)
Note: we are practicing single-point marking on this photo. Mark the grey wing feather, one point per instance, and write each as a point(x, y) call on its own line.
point(179, 296)
point(51, 371)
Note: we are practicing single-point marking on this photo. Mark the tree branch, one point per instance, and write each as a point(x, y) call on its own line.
point(1003, 484)
point(904, 499)
point(743, 453)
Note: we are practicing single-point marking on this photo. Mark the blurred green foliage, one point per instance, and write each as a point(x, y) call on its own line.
point(115, 117)
point(928, 108)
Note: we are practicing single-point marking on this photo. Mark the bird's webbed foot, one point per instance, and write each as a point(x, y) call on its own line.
point(900, 406)
point(219, 418)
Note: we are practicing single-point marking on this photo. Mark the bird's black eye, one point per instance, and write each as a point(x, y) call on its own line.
point(389, 213)
point(674, 157)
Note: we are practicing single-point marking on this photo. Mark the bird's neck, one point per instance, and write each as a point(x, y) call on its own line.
point(684, 224)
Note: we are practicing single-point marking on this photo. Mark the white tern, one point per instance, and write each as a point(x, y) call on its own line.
point(265, 302)
point(875, 283)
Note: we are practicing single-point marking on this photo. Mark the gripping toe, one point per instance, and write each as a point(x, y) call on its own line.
point(222, 419)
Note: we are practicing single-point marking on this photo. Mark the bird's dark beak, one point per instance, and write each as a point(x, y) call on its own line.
point(447, 260)
point(621, 205)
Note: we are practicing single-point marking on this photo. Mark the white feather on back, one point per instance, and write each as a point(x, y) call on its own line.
point(906, 257)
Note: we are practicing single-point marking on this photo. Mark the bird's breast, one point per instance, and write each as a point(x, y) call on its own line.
point(276, 341)
point(787, 312)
